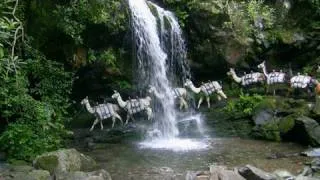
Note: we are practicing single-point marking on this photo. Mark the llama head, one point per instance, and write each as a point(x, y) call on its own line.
point(188, 83)
point(151, 89)
point(115, 95)
point(262, 65)
point(85, 100)
point(230, 72)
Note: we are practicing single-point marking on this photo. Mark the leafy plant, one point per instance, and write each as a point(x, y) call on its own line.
point(245, 105)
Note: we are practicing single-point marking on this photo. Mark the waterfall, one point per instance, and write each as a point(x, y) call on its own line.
point(160, 54)
point(152, 65)
point(173, 44)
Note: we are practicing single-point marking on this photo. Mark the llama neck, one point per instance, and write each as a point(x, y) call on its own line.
point(89, 108)
point(194, 89)
point(235, 77)
point(264, 69)
point(121, 103)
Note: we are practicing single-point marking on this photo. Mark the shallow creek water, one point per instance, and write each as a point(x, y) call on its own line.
point(129, 161)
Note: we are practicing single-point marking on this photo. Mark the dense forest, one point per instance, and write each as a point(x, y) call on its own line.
point(54, 53)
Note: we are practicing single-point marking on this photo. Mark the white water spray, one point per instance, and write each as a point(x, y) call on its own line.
point(156, 68)
point(152, 62)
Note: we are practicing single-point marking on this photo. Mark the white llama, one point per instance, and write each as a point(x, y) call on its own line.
point(207, 89)
point(274, 78)
point(134, 106)
point(102, 111)
point(178, 93)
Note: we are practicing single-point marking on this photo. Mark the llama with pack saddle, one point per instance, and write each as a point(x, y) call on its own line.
point(133, 106)
point(274, 79)
point(178, 93)
point(101, 112)
point(206, 90)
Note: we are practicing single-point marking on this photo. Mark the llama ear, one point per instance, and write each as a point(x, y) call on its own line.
point(114, 91)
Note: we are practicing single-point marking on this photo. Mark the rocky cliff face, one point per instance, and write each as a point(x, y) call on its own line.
point(228, 33)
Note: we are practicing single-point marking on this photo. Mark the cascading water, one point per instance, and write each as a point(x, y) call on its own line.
point(173, 44)
point(155, 68)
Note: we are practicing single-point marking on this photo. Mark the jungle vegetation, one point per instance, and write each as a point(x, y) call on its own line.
point(54, 53)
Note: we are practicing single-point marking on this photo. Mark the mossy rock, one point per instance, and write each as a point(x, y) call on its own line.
point(37, 175)
point(64, 160)
point(268, 131)
point(287, 123)
point(47, 162)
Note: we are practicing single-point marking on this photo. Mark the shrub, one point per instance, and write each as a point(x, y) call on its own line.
point(244, 106)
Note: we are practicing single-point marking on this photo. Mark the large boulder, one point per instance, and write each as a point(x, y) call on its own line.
point(312, 152)
point(37, 175)
point(13, 172)
point(252, 173)
point(311, 127)
point(215, 173)
point(79, 175)
point(263, 116)
point(64, 160)
point(283, 175)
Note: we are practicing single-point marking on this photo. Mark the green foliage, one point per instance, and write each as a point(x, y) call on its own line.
point(34, 93)
point(182, 9)
point(249, 20)
point(75, 16)
point(35, 132)
point(245, 105)
point(109, 57)
point(268, 131)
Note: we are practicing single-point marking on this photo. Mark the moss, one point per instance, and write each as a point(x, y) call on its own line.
point(287, 123)
point(153, 10)
point(269, 131)
point(167, 24)
point(47, 162)
point(266, 103)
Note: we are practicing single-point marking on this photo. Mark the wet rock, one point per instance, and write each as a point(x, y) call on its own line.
point(311, 127)
point(198, 175)
point(23, 168)
point(283, 175)
point(64, 160)
point(315, 164)
point(222, 173)
point(263, 116)
point(37, 175)
point(79, 175)
point(252, 173)
point(312, 153)
point(307, 171)
point(24, 173)
point(306, 178)
point(163, 173)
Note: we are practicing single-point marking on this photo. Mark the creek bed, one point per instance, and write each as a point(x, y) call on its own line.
point(127, 160)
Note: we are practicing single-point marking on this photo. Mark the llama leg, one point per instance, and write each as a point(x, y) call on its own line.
point(218, 97)
point(185, 104)
point(208, 101)
point(94, 123)
point(118, 117)
point(101, 124)
point(180, 103)
point(128, 117)
point(149, 113)
point(200, 101)
point(113, 121)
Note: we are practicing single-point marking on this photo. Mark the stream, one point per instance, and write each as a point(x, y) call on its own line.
point(127, 160)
